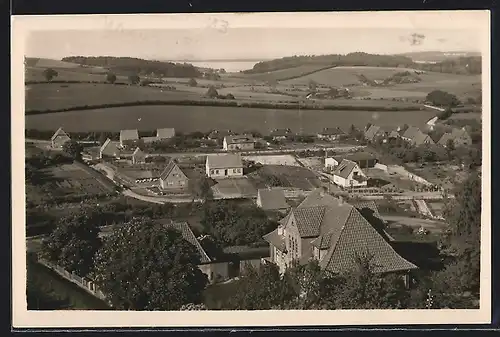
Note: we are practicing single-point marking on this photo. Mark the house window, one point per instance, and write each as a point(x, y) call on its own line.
point(216, 171)
point(211, 171)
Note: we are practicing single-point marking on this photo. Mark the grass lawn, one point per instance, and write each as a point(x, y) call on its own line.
point(206, 118)
point(282, 74)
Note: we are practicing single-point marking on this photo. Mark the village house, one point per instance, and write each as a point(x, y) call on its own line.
point(219, 135)
point(165, 133)
point(375, 132)
point(216, 271)
point(129, 137)
point(416, 137)
point(280, 134)
point(331, 134)
point(59, 138)
point(348, 174)
point(272, 199)
point(109, 150)
point(334, 233)
point(459, 137)
point(223, 166)
point(138, 157)
point(240, 142)
point(172, 177)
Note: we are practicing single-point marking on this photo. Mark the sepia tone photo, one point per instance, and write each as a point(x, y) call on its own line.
point(234, 164)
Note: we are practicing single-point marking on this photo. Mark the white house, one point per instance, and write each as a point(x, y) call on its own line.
point(331, 163)
point(223, 166)
point(348, 174)
point(240, 142)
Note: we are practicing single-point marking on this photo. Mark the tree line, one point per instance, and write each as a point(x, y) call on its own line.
point(136, 66)
point(463, 65)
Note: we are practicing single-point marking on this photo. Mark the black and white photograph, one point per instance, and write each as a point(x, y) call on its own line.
point(268, 169)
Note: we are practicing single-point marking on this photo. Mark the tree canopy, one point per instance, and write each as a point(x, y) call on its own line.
point(230, 224)
point(145, 266)
point(74, 242)
point(111, 78)
point(212, 92)
point(50, 74)
point(134, 79)
point(72, 149)
point(442, 98)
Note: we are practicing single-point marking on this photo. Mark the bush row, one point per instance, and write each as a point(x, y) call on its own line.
point(223, 103)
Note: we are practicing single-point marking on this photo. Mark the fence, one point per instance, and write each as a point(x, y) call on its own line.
point(82, 282)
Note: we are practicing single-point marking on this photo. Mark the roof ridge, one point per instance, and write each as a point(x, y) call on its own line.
point(334, 244)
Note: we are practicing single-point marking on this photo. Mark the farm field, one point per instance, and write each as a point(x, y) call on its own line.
point(62, 96)
point(206, 118)
point(282, 74)
point(70, 74)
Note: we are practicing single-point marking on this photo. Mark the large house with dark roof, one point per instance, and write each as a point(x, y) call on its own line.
point(224, 166)
point(172, 177)
point(348, 174)
point(59, 138)
point(239, 142)
point(335, 233)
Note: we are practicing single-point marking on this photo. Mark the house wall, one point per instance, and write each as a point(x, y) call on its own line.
point(349, 181)
point(292, 241)
point(216, 272)
point(222, 173)
point(330, 162)
point(175, 180)
point(239, 146)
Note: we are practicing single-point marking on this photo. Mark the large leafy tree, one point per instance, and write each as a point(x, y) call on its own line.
point(262, 289)
point(50, 74)
point(134, 79)
point(145, 266)
point(74, 242)
point(111, 78)
point(230, 224)
point(73, 149)
point(464, 218)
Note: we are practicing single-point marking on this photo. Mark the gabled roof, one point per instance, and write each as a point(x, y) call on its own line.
point(276, 240)
point(168, 169)
point(237, 139)
point(318, 197)
point(59, 132)
point(356, 237)
point(411, 132)
point(308, 220)
point(394, 134)
point(344, 168)
point(345, 233)
point(421, 138)
point(188, 235)
point(456, 133)
point(138, 152)
point(272, 198)
point(372, 132)
point(362, 204)
point(445, 138)
point(109, 147)
point(222, 161)
point(129, 135)
point(165, 133)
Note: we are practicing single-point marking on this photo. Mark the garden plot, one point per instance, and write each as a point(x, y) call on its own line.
point(314, 163)
point(70, 179)
point(234, 188)
point(286, 159)
point(285, 176)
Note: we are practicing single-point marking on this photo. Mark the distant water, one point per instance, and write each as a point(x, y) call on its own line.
point(229, 66)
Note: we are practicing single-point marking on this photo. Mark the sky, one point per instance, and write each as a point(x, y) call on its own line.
point(243, 43)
